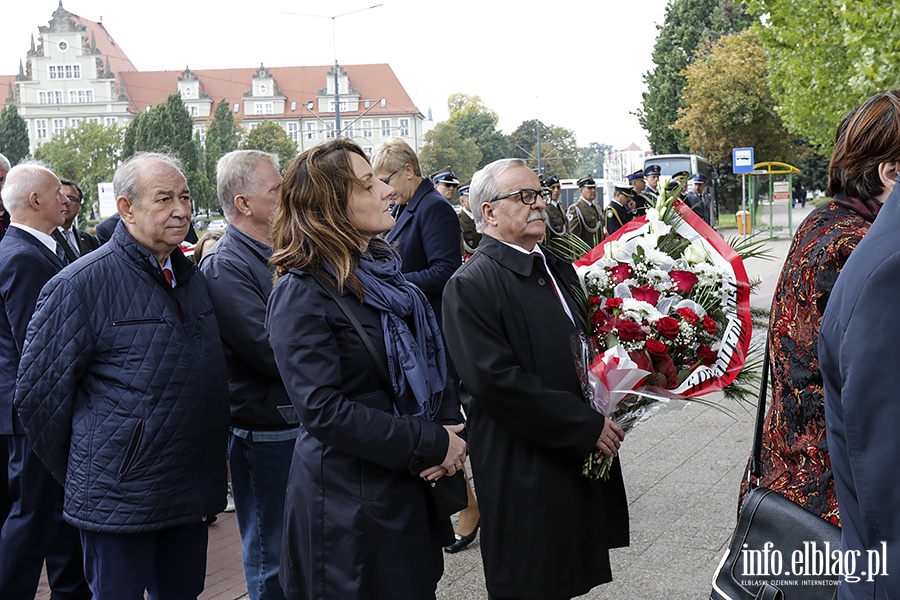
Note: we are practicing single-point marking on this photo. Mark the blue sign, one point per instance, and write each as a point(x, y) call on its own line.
point(742, 160)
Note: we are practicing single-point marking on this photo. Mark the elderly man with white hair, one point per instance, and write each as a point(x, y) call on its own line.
point(510, 314)
point(34, 529)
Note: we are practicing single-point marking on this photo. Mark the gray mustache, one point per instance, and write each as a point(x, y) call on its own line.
point(535, 215)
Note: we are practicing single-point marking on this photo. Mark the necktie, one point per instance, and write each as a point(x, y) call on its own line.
point(167, 273)
point(61, 254)
point(70, 237)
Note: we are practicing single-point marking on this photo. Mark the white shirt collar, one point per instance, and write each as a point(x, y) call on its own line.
point(40, 235)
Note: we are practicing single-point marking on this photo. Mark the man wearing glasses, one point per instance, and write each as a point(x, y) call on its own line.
point(74, 242)
point(510, 314)
point(446, 184)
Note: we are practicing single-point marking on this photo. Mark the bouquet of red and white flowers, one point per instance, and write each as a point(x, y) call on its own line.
point(668, 294)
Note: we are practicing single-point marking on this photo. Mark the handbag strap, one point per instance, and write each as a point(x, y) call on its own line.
point(365, 337)
point(756, 458)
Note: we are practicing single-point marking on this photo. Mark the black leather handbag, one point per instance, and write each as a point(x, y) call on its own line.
point(448, 495)
point(779, 550)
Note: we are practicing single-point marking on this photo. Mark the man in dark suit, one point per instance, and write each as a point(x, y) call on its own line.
point(427, 229)
point(857, 339)
point(4, 215)
point(74, 242)
point(34, 530)
point(510, 313)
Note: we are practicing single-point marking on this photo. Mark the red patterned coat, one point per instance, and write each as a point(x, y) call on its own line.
point(795, 459)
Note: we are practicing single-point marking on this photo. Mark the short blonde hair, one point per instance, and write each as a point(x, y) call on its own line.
point(395, 154)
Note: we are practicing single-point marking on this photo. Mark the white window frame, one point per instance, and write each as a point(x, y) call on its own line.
point(312, 133)
point(111, 121)
point(293, 130)
point(75, 122)
point(385, 128)
point(59, 125)
point(40, 129)
point(404, 128)
point(367, 131)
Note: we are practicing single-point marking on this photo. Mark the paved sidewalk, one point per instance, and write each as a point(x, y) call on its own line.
point(682, 470)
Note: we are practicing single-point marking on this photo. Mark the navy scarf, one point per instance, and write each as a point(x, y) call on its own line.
point(412, 337)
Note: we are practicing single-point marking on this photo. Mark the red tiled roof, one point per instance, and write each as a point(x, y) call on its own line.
point(118, 61)
point(297, 84)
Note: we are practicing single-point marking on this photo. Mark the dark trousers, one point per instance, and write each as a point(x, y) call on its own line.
point(169, 563)
point(35, 531)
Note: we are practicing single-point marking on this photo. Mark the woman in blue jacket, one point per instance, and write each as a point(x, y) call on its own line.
point(358, 522)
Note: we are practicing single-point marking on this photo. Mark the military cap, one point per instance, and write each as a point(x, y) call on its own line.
point(652, 170)
point(627, 191)
point(699, 178)
point(672, 185)
point(464, 190)
point(635, 175)
point(446, 177)
point(549, 180)
point(586, 181)
point(681, 175)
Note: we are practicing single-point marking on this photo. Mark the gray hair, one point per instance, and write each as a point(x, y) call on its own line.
point(4, 162)
point(24, 178)
point(237, 174)
point(125, 181)
point(484, 186)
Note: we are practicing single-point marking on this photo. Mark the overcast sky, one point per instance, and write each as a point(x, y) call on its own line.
point(566, 62)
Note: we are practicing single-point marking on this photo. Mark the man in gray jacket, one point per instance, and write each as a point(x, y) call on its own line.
point(262, 440)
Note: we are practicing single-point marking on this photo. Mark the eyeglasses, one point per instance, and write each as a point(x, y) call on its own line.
point(528, 197)
point(387, 180)
point(74, 199)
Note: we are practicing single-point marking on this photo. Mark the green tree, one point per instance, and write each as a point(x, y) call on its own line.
point(560, 153)
point(474, 120)
point(827, 56)
point(592, 158)
point(271, 137)
point(87, 154)
point(727, 104)
point(13, 135)
point(688, 25)
point(444, 145)
point(221, 138)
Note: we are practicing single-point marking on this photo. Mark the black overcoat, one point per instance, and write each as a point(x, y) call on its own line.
point(546, 529)
point(357, 522)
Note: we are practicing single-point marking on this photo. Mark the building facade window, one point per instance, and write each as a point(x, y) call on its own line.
point(385, 128)
point(112, 121)
point(81, 96)
point(342, 104)
point(311, 132)
point(193, 109)
point(51, 97)
point(404, 127)
point(269, 108)
point(201, 131)
point(367, 128)
point(253, 126)
point(75, 122)
point(329, 130)
point(293, 130)
point(40, 128)
point(58, 126)
point(368, 151)
point(64, 72)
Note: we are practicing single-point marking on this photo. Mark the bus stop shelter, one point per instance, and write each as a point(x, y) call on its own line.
point(777, 173)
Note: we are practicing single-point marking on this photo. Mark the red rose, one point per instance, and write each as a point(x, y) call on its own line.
point(629, 331)
point(657, 350)
point(621, 272)
point(683, 281)
point(595, 301)
point(706, 355)
point(667, 327)
point(689, 316)
point(645, 293)
point(709, 325)
point(613, 303)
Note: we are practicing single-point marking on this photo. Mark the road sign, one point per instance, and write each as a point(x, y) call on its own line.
point(742, 160)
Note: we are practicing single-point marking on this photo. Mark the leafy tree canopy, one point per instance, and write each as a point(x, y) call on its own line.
point(444, 145)
point(688, 25)
point(474, 120)
point(14, 143)
point(87, 154)
point(271, 137)
point(559, 154)
point(221, 138)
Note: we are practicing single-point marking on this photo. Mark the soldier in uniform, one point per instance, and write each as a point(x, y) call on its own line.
point(618, 213)
point(446, 184)
point(696, 199)
point(556, 220)
point(638, 185)
point(584, 216)
point(651, 177)
point(470, 236)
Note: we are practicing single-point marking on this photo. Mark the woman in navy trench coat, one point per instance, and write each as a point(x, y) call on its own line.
point(358, 522)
